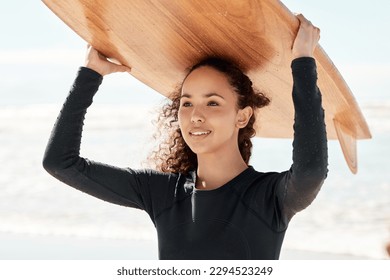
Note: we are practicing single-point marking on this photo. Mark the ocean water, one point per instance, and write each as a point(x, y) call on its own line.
point(351, 215)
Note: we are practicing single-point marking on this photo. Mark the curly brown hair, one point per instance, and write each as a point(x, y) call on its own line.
point(172, 153)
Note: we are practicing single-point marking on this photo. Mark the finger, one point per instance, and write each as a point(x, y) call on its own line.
point(91, 51)
point(101, 56)
point(119, 68)
point(123, 68)
point(126, 69)
point(304, 21)
point(302, 18)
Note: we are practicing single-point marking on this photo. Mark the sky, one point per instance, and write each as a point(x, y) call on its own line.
point(39, 54)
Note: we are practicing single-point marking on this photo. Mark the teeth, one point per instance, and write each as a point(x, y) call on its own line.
point(200, 133)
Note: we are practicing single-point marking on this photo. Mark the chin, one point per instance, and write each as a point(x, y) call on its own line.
point(199, 148)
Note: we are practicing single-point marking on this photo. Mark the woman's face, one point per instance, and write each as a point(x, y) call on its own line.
point(208, 116)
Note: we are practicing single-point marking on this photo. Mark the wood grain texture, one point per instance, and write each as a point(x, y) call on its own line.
point(161, 39)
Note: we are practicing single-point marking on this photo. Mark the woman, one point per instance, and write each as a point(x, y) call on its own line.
point(209, 204)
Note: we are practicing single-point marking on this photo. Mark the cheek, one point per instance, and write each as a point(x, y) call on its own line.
point(227, 117)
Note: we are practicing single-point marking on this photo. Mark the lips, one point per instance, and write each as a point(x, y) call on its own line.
point(200, 132)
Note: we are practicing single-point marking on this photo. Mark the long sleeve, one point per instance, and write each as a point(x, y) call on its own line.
point(303, 181)
point(122, 186)
point(63, 148)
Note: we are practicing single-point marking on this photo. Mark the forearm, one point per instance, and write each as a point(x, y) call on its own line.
point(310, 152)
point(63, 148)
point(310, 142)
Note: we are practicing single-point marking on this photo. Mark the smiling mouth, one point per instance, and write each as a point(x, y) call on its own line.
point(200, 133)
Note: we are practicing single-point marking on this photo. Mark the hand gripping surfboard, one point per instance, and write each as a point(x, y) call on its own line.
point(161, 39)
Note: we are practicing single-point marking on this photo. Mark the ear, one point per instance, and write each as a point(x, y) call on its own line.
point(243, 116)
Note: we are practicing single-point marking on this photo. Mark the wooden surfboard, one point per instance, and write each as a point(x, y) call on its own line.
point(161, 39)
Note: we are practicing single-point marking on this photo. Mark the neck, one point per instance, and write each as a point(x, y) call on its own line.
point(215, 170)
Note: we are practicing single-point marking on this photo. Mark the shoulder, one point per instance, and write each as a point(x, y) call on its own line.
point(262, 192)
point(252, 176)
point(254, 182)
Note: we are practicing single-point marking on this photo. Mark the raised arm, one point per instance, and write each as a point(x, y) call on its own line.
point(62, 159)
point(310, 154)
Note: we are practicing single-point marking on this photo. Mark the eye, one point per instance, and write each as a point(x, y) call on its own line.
point(212, 103)
point(186, 104)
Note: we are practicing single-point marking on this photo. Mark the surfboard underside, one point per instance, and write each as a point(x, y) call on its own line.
point(161, 39)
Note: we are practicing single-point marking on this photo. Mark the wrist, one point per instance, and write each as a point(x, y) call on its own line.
point(302, 54)
point(94, 67)
point(92, 72)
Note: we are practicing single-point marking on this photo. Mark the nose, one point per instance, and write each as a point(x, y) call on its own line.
point(197, 116)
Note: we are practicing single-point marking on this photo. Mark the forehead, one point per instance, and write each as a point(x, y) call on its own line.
point(206, 79)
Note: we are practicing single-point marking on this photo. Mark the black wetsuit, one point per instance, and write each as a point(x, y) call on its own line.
point(244, 219)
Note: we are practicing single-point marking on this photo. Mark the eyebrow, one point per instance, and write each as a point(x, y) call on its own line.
point(205, 95)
